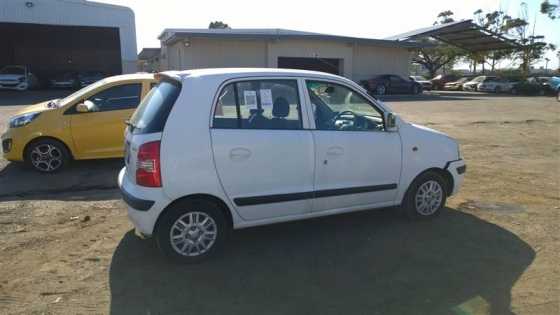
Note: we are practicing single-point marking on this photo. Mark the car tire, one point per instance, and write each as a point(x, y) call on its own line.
point(425, 197)
point(192, 230)
point(415, 90)
point(514, 91)
point(558, 95)
point(47, 155)
point(380, 89)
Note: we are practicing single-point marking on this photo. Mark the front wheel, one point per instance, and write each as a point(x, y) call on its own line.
point(191, 231)
point(47, 155)
point(425, 197)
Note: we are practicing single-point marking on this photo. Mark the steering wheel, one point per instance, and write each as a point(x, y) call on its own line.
point(339, 115)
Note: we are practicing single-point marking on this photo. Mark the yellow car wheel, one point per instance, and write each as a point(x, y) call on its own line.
point(47, 155)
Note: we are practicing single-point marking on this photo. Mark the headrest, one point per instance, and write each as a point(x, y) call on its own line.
point(280, 107)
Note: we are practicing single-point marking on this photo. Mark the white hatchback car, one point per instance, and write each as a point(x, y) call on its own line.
point(212, 150)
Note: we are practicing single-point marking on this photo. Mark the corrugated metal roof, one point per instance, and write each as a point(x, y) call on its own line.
point(463, 34)
point(174, 34)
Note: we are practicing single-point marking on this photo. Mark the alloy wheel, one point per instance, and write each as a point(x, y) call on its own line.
point(193, 234)
point(428, 198)
point(46, 157)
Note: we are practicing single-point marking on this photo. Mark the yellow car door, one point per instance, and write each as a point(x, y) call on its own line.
point(99, 133)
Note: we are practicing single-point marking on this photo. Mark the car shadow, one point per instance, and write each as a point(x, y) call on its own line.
point(361, 263)
point(81, 180)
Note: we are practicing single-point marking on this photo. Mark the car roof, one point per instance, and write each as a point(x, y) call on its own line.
point(231, 73)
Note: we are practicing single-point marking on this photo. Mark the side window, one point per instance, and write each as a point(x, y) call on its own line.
point(395, 79)
point(118, 97)
point(259, 104)
point(337, 107)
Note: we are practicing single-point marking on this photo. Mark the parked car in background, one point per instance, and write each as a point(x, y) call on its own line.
point(391, 84)
point(456, 85)
point(473, 84)
point(88, 124)
point(438, 82)
point(88, 77)
point(188, 184)
point(495, 85)
point(65, 80)
point(426, 84)
point(527, 87)
point(555, 86)
point(17, 78)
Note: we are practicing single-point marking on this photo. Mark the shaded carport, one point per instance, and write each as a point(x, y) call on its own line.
point(50, 49)
point(463, 34)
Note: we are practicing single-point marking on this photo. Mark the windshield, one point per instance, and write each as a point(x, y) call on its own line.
point(152, 113)
point(12, 70)
point(78, 94)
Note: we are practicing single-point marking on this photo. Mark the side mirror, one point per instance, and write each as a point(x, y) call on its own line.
point(85, 107)
point(391, 122)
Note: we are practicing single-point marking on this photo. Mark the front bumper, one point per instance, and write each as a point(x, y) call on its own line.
point(144, 204)
point(457, 169)
point(12, 146)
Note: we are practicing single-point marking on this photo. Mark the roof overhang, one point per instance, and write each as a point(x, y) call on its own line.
point(463, 34)
point(171, 36)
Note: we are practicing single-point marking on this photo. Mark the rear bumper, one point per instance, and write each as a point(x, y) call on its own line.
point(144, 204)
point(457, 169)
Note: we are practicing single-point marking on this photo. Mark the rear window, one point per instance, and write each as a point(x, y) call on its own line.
point(152, 113)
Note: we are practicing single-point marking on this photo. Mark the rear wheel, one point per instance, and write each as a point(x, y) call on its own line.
point(47, 155)
point(191, 231)
point(425, 196)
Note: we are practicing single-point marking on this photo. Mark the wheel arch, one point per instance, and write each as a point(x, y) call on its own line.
point(40, 138)
point(445, 174)
point(218, 201)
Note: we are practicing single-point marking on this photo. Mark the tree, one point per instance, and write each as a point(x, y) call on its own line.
point(552, 10)
point(218, 24)
point(437, 55)
point(495, 22)
point(533, 47)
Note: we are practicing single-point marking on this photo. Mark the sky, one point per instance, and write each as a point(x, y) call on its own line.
point(370, 19)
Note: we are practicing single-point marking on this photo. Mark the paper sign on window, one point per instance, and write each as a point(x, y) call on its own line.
point(250, 99)
point(266, 98)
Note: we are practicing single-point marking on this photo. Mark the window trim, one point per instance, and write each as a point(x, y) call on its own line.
point(223, 85)
point(313, 126)
point(71, 109)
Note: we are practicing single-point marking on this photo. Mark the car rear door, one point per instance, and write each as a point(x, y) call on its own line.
point(100, 133)
point(357, 162)
point(262, 148)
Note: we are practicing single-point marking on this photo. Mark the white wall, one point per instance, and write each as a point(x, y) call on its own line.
point(358, 61)
point(78, 13)
point(370, 60)
point(215, 53)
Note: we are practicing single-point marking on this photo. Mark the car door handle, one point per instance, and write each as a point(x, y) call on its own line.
point(335, 151)
point(239, 154)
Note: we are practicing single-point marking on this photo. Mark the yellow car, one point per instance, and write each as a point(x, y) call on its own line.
point(88, 124)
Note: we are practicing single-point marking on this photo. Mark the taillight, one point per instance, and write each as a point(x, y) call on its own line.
point(148, 171)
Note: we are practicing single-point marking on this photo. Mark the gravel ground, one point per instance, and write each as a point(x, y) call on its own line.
point(66, 246)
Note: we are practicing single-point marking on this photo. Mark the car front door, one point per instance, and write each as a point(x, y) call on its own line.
point(263, 149)
point(398, 84)
point(100, 132)
point(357, 161)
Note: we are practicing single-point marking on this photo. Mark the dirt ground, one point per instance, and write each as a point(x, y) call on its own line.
point(66, 246)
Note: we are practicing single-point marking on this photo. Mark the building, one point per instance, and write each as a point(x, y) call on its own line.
point(354, 58)
point(51, 36)
point(148, 60)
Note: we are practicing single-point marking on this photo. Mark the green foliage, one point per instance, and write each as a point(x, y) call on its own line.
point(552, 10)
point(218, 24)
